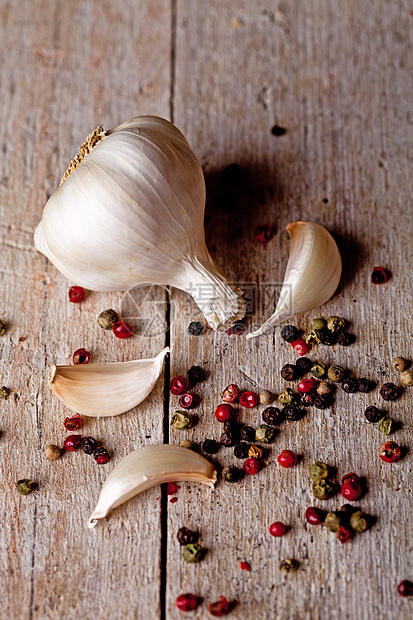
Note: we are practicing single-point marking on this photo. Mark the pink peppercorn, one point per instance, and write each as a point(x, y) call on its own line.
point(315, 516)
point(188, 400)
point(263, 234)
point(248, 399)
point(121, 329)
point(230, 394)
point(81, 356)
point(178, 385)
point(287, 459)
point(186, 602)
point(220, 608)
point(277, 529)
point(224, 412)
point(301, 346)
point(251, 466)
point(76, 294)
point(307, 385)
point(405, 588)
point(72, 424)
point(379, 275)
point(244, 566)
point(390, 452)
point(72, 443)
point(343, 534)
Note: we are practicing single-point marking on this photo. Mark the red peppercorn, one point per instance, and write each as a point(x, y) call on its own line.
point(315, 516)
point(379, 275)
point(186, 602)
point(224, 412)
point(307, 385)
point(263, 234)
point(72, 443)
point(121, 329)
point(72, 424)
point(390, 452)
point(351, 489)
point(237, 329)
point(188, 400)
point(352, 476)
point(287, 459)
point(172, 488)
point(178, 385)
point(248, 399)
point(405, 588)
point(244, 566)
point(343, 534)
point(301, 346)
point(277, 529)
point(76, 294)
point(251, 466)
point(220, 608)
point(101, 455)
point(81, 356)
point(230, 394)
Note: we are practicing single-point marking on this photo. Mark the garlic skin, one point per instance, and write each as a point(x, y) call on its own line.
point(131, 212)
point(147, 467)
point(312, 275)
point(100, 390)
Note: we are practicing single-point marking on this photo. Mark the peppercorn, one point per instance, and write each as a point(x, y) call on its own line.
point(287, 397)
point(335, 373)
point(345, 339)
point(336, 324)
point(308, 399)
point(196, 374)
point(315, 516)
point(329, 338)
point(314, 337)
point(272, 416)
point(251, 466)
point(232, 425)
point(237, 329)
point(307, 385)
point(265, 433)
point(323, 401)
point(343, 534)
point(333, 521)
point(292, 413)
point(266, 397)
point(319, 370)
point(241, 450)
point(72, 443)
point(181, 420)
point(350, 385)
point(400, 363)
point(289, 565)
point(74, 423)
point(289, 333)
point(178, 385)
point(318, 324)
point(223, 413)
point(231, 393)
point(263, 234)
point(210, 446)
point(195, 328)
point(277, 529)
point(189, 445)
point(287, 459)
point(3, 326)
point(351, 488)
point(220, 608)
point(256, 452)
point(107, 318)
point(323, 388)
point(89, 445)
point(81, 356)
point(301, 346)
point(101, 455)
point(186, 536)
point(52, 452)
point(193, 553)
point(303, 364)
point(76, 294)
point(347, 510)
point(365, 385)
point(4, 393)
point(186, 602)
point(248, 399)
point(247, 433)
point(390, 452)
point(24, 486)
point(359, 521)
point(372, 414)
point(386, 425)
point(379, 275)
point(389, 391)
point(228, 439)
point(188, 400)
point(405, 588)
point(323, 489)
point(406, 378)
point(319, 471)
point(231, 473)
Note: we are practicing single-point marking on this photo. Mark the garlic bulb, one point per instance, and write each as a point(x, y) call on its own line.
point(312, 275)
point(130, 211)
point(147, 467)
point(106, 389)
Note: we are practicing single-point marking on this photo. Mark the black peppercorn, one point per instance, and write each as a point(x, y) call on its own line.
point(350, 385)
point(228, 439)
point(303, 365)
point(186, 536)
point(389, 391)
point(365, 385)
point(89, 445)
point(196, 374)
point(231, 473)
point(289, 372)
point(241, 450)
point(329, 338)
point(272, 416)
point(308, 399)
point(292, 413)
point(379, 275)
point(247, 433)
point(210, 446)
point(373, 415)
point(195, 328)
point(323, 401)
point(233, 426)
point(345, 339)
point(289, 333)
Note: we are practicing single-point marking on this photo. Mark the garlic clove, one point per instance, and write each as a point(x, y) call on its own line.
point(106, 389)
point(147, 467)
point(312, 275)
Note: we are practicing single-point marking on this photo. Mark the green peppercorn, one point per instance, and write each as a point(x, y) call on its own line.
point(256, 452)
point(336, 324)
point(231, 474)
point(314, 337)
point(4, 393)
point(193, 553)
point(386, 425)
point(323, 388)
point(323, 489)
point(264, 433)
point(319, 370)
point(289, 565)
point(318, 324)
point(319, 471)
point(287, 397)
point(107, 318)
point(181, 420)
point(333, 521)
point(24, 486)
point(2, 327)
point(359, 521)
point(335, 373)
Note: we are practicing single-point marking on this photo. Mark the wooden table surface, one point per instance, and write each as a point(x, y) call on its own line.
point(337, 76)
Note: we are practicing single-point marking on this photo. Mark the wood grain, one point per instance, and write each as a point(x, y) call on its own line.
point(337, 77)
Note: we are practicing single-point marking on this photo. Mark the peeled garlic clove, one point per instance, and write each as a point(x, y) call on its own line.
point(147, 467)
point(130, 211)
point(312, 275)
point(106, 389)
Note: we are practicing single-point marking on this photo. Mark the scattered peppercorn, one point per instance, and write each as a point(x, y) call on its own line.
point(315, 337)
point(323, 489)
point(289, 372)
point(248, 399)
point(3, 326)
point(244, 566)
point(323, 401)
point(89, 445)
point(400, 364)
point(365, 385)
point(289, 333)
point(196, 374)
point(379, 275)
point(405, 588)
point(193, 553)
point(181, 420)
point(287, 397)
point(186, 536)
point(265, 433)
point(224, 412)
point(231, 393)
point(289, 565)
point(333, 521)
point(292, 413)
point(210, 446)
point(350, 385)
point(233, 426)
point(351, 488)
point(343, 534)
point(122, 330)
point(329, 338)
point(178, 385)
point(263, 234)
point(228, 438)
point(345, 339)
point(247, 433)
point(107, 318)
point(231, 473)
point(24, 486)
point(359, 521)
point(323, 388)
point(189, 445)
point(52, 452)
point(220, 608)
point(386, 425)
point(319, 370)
point(237, 329)
point(101, 455)
point(272, 416)
point(251, 466)
point(319, 471)
point(336, 324)
point(318, 324)
point(390, 452)
point(307, 385)
point(303, 365)
point(188, 400)
point(266, 397)
point(287, 459)
point(76, 294)
point(277, 529)
point(186, 602)
point(308, 399)
point(74, 423)
point(4, 392)
point(406, 378)
point(389, 391)
point(315, 516)
point(241, 450)
point(335, 373)
point(72, 443)
point(373, 414)
point(256, 452)
point(195, 328)
point(301, 346)
point(81, 356)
